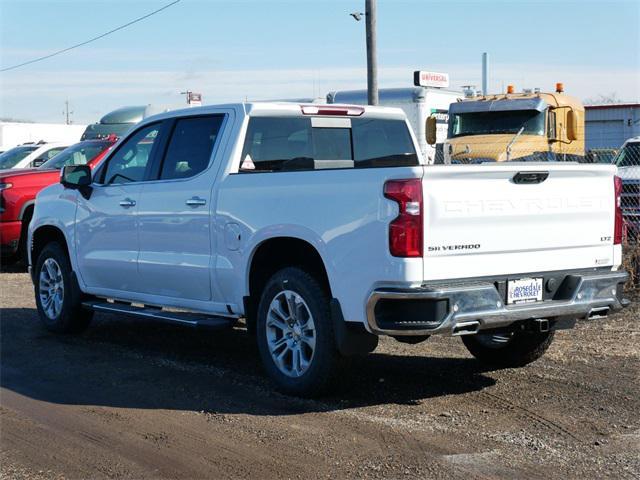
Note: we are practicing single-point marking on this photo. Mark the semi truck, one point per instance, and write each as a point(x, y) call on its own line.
point(523, 126)
point(119, 121)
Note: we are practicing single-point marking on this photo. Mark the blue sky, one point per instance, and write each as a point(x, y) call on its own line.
point(232, 50)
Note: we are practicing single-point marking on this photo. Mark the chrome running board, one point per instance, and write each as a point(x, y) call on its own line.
point(178, 317)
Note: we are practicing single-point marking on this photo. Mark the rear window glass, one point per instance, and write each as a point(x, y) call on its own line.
point(382, 143)
point(292, 143)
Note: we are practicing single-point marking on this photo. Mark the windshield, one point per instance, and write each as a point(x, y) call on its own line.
point(11, 157)
point(629, 156)
point(485, 123)
point(78, 154)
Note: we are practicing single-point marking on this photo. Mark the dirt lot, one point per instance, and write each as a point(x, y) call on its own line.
point(136, 399)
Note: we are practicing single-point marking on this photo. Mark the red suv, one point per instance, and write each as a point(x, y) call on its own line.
point(18, 190)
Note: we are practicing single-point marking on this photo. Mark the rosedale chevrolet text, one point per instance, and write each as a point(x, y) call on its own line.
point(321, 228)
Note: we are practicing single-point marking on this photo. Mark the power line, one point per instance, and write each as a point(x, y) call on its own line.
point(90, 40)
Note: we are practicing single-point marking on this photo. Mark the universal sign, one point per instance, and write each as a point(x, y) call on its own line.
point(430, 79)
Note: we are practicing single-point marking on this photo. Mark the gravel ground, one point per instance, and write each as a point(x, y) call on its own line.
point(136, 399)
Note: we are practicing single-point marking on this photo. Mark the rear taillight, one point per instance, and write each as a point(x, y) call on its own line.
point(405, 231)
point(617, 226)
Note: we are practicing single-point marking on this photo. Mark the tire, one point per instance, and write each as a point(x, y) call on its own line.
point(59, 306)
point(309, 337)
point(508, 350)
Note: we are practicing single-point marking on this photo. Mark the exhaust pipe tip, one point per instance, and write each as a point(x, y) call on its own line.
point(599, 312)
point(466, 328)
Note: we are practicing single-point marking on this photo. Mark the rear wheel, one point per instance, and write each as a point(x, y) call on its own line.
point(508, 349)
point(295, 333)
point(58, 297)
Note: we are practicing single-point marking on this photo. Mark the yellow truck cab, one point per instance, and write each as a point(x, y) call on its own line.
point(526, 126)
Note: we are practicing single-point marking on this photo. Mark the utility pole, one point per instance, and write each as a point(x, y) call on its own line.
point(485, 73)
point(372, 60)
point(188, 94)
point(66, 112)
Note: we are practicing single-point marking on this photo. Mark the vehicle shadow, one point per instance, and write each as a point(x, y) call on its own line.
point(15, 267)
point(131, 363)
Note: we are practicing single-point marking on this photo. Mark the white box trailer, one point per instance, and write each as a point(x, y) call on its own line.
point(17, 133)
point(418, 103)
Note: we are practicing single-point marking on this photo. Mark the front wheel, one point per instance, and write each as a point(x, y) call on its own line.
point(57, 293)
point(295, 333)
point(508, 349)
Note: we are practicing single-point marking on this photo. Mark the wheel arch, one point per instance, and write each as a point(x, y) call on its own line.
point(43, 235)
point(273, 254)
point(26, 209)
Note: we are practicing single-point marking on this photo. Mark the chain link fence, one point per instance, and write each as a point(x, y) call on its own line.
point(628, 162)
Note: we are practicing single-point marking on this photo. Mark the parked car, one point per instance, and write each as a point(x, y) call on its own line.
point(628, 163)
point(30, 155)
point(322, 227)
point(18, 190)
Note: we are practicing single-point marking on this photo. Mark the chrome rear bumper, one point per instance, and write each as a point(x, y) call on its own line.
point(477, 305)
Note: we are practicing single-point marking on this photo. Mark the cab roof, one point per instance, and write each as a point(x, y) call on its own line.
point(552, 99)
point(285, 108)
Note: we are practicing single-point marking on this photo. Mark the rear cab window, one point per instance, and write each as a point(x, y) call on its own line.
point(277, 144)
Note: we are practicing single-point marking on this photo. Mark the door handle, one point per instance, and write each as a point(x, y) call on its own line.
point(127, 202)
point(196, 202)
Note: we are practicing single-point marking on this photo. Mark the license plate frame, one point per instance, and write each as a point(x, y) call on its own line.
point(524, 290)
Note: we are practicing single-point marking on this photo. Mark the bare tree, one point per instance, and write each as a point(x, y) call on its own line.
point(604, 99)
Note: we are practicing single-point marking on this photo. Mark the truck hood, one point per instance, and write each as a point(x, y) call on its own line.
point(17, 173)
point(468, 148)
point(629, 173)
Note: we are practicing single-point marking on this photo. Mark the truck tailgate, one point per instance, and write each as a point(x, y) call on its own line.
point(498, 219)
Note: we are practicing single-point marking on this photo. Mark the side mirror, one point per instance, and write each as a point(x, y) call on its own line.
point(572, 125)
point(77, 177)
point(431, 130)
point(37, 162)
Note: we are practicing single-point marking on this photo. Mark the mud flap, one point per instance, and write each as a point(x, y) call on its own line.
point(351, 338)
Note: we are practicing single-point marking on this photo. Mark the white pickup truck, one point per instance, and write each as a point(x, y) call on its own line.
point(321, 228)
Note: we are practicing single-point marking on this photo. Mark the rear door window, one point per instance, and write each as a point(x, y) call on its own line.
point(190, 146)
point(315, 143)
point(277, 143)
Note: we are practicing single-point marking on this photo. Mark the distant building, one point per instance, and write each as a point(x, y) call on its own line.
point(608, 126)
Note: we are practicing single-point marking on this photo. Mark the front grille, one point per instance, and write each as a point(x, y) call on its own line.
point(630, 188)
point(630, 195)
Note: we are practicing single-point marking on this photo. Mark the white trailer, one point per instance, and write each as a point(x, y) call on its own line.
point(418, 103)
point(17, 133)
